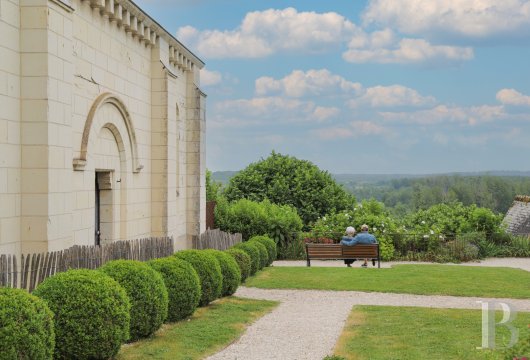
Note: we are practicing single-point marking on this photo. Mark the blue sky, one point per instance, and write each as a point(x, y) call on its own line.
point(377, 86)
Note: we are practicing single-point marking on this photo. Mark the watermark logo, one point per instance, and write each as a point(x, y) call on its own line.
point(489, 324)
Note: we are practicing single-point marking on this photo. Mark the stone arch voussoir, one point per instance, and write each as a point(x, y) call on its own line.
point(108, 98)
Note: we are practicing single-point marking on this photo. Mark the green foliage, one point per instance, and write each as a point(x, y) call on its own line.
point(253, 252)
point(453, 218)
point(269, 244)
point(287, 180)
point(263, 254)
point(334, 357)
point(182, 284)
point(26, 326)
point(403, 196)
point(251, 218)
point(209, 272)
point(230, 271)
point(212, 187)
point(293, 250)
point(369, 212)
point(147, 294)
point(243, 261)
point(91, 314)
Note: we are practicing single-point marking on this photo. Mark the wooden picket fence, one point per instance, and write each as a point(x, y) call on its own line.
point(32, 269)
point(216, 239)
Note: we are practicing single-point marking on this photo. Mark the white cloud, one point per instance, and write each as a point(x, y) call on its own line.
point(324, 113)
point(368, 128)
point(263, 33)
point(260, 111)
point(353, 130)
point(403, 51)
point(468, 18)
point(513, 97)
point(210, 78)
point(446, 114)
point(312, 82)
point(389, 96)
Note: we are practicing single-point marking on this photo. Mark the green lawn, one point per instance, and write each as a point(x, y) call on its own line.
point(408, 279)
point(208, 331)
point(381, 332)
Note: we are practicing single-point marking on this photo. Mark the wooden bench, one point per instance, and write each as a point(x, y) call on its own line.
point(342, 252)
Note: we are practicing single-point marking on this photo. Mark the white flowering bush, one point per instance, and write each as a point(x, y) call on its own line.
point(370, 212)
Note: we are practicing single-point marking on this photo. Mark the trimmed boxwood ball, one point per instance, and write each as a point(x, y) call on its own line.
point(263, 254)
point(91, 314)
point(229, 270)
point(209, 272)
point(253, 251)
point(147, 294)
point(183, 286)
point(26, 326)
point(243, 261)
point(269, 244)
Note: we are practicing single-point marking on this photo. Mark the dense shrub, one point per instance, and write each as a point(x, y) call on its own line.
point(372, 213)
point(91, 314)
point(269, 244)
point(287, 180)
point(454, 218)
point(182, 284)
point(26, 326)
point(281, 223)
point(252, 218)
point(209, 272)
point(229, 270)
point(294, 250)
point(243, 261)
point(253, 252)
point(263, 254)
point(147, 294)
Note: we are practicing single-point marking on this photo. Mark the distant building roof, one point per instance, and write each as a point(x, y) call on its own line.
point(517, 218)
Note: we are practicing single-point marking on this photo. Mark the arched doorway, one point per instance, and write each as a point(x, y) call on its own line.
point(108, 158)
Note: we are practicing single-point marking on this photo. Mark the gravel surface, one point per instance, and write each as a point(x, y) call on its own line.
point(307, 323)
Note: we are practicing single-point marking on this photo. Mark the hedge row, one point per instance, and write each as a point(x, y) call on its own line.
point(260, 252)
point(88, 314)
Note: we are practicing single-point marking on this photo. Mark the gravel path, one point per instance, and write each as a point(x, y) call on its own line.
point(307, 323)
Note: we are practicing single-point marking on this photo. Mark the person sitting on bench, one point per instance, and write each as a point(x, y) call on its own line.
point(363, 238)
point(347, 240)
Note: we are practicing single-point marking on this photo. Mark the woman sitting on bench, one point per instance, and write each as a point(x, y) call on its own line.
point(363, 238)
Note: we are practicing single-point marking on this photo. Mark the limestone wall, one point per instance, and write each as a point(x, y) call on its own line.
point(10, 154)
point(109, 102)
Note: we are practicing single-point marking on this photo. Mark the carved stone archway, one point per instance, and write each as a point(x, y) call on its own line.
point(79, 163)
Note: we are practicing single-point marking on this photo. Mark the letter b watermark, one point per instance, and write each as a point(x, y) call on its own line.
point(488, 323)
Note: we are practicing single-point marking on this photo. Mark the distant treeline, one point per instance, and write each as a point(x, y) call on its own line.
point(406, 195)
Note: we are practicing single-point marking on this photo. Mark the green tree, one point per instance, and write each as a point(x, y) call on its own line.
point(212, 187)
point(286, 180)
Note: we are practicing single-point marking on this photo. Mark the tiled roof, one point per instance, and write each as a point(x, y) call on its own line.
point(517, 218)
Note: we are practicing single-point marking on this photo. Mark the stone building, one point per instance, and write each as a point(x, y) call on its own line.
point(517, 219)
point(102, 127)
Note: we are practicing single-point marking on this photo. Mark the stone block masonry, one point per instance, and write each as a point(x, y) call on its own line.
point(101, 130)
